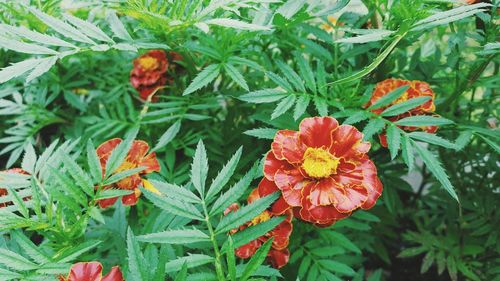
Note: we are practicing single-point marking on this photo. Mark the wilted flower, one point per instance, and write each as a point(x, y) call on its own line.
point(92, 271)
point(149, 72)
point(278, 255)
point(323, 170)
point(136, 157)
point(3, 191)
point(416, 89)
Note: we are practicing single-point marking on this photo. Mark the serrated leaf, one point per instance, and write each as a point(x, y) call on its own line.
point(393, 140)
point(280, 81)
point(282, 107)
point(263, 96)
point(175, 192)
point(231, 261)
point(181, 236)
point(26, 48)
point(246, 213)
point(306, 72)
point(191, 261)
point(290, 8)
point(44, 66)
point(81, 178)
point(251, 233)
point(374, 126)
point(339, 267)
point(112, 193)
point(7, 275)
point(262, 133)
point(30, 248)
point(182, 275)
point(17, 69)
point(434, 165)
point(18, 202)
point(224, 175)
point(321, 106)
point(93, 162)
point(256, 260)
point(119, 154)
point(292, 76)
point(236, 24)
point(199, 168)
point(446, 17)
point(357, 117)
point(88, 28)
point(403, 107)
point(407, 152)
point(168, 136)
point(172, 206)
point(236, 76)
point(15, 261)
point(36, 36)
point(29, 159)
point(207, 75)
point(390, 97)
point(71, 253)
point(431, 138)
point(301, 106)
point(123, 174)
point(61, 27)
point(136, 262)
point(423, 120)
point(117, 26)
point(373, 35)
point(233, 194)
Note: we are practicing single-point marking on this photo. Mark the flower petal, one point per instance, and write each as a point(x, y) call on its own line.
point(321, 215)
point(137, 151)
point(287, 146)
point(290, 183)
point(316, 131)
point(114, 275)
point(326, 192)
point(267, 187)
point(278, 258)
point(131, 199)
point(348, 142)
point(248, 250)
point(85, 271)
point(104, 151)
point(151, 163)
point(272, 165)
point(108, 202)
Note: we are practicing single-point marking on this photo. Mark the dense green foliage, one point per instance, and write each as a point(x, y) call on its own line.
point(249, 69)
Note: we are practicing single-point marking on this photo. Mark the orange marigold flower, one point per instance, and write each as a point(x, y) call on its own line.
point(92, 271)
point(149, 72)
point(278, 255)
point(323, 170)
point(3, 191)
point(416, 89)
point(136, 157)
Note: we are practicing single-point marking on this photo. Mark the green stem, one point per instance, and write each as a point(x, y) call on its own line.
point(218, 263)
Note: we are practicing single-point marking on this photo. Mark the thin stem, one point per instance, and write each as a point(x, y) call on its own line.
point(218, 263)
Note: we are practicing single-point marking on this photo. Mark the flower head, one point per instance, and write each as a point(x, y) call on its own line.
point(416, 89)
point(3, 191)
point(278, 255)
point(149, 72)
point(323, 170)
point(136, 157)
point(92, 271)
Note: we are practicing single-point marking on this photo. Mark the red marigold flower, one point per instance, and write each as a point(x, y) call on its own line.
point(3, 191)
point(136, 157)
point(322, 170)
point(149, 72)
point(278, 255)
point(416, 89)
point(92, 271)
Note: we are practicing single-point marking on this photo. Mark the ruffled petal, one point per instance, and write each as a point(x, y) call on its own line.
point(151, 163)
point(85, 271)
point(287, 146)
point(108, 202)
point(130, 182)
point(254, 195)
point(104, 151)
point(137, 151)
point(278, 258)
point(114, 275)
point(272, 165)
point(326, 192)
point(316, 131)
point(267, 187)
point(281, 235)
point(321, 215)
point(348, 142)
point(131, 199)
point(290, 183)
point(248, 250)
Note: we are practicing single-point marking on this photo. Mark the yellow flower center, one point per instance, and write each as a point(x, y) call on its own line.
point(319, 163)
point(264, 216)
point(149, 186)
point(148, 63)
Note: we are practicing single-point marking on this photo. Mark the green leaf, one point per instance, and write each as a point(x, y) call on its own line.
point(282, 82)
point(81, 178)
point(236, 76)
point(61, 27)
point(256, 260)
point(136, 262)
point(72, 252)
point(15, 261)
point(112, 193)
point(175, 192)
point(290, 8)
point(263, 96)
point(372, 35)
point(292, 76)
point(29, 159)
point(262, 133)
point(423, 120)
point(407, 152)
point(173, 206)
point(199, 168)
point(233, 194)
point(338, 267)
point(284, 105)
point(18, 202)
point(321, 106)
point(446, 17)
point(403, 107)
point(306, 72)
point(245, 214)
point(93, 162)
point(431, 138)
point(88, 28)
point(17, 69)
point(437, 170)
point(390, 97)
point(30, 248)
point(168, 136)
point(357, 117)
point(301, 106)
point(191, 261)
point(236, 24)
point(231, 262)
point(224, 175)
point(44, 66)
point(26, 48)
point(175, 237)
point(117, 26)
point(182, 275)
point(207, 75)
point(123, 174)
point(6, 275)
point(36, 36)
point(341, 240)
point(119, 154)
point(393, 140)
point(374, 126)
point(251, 233)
